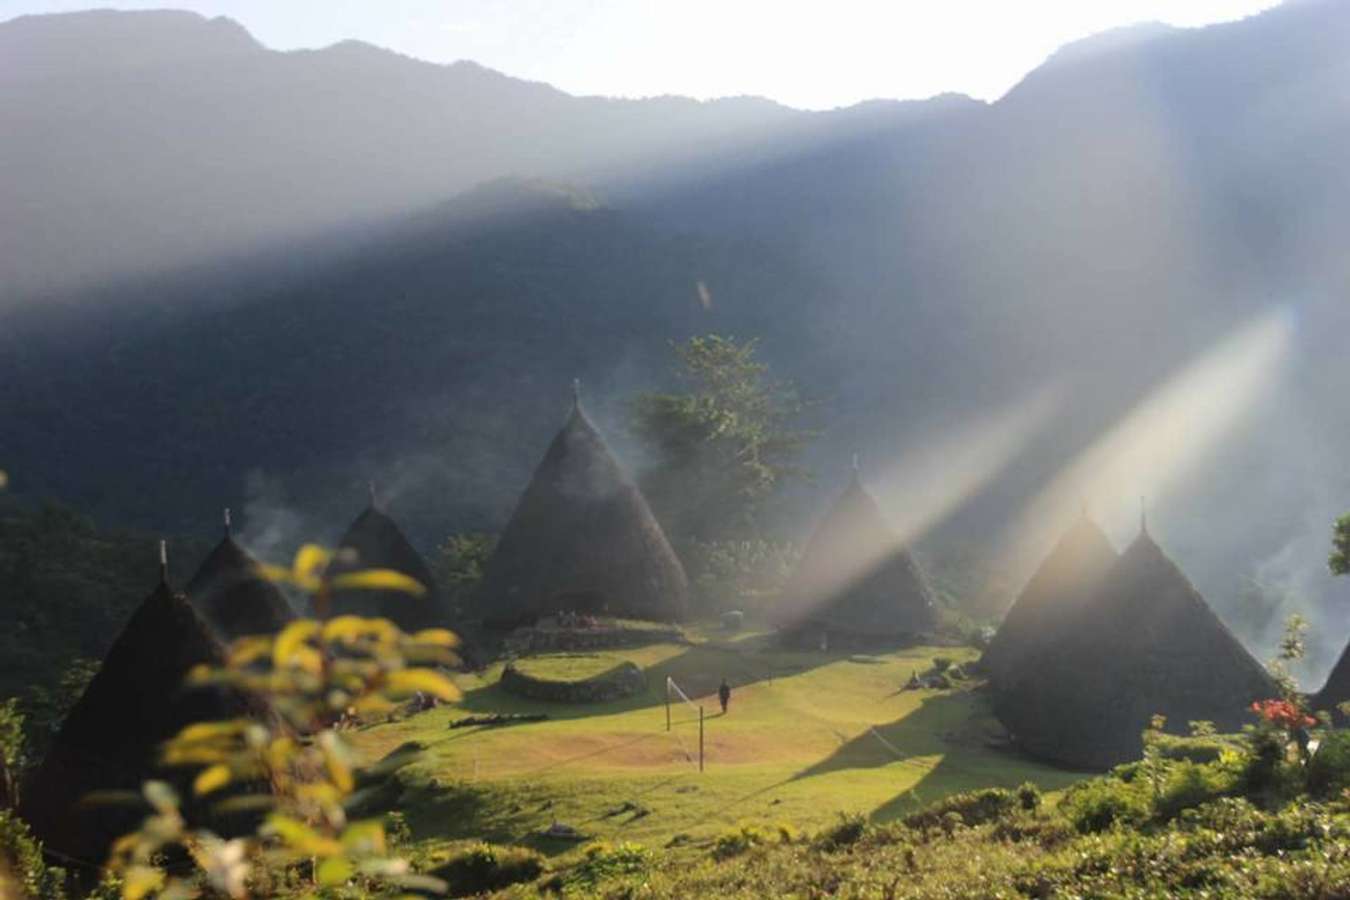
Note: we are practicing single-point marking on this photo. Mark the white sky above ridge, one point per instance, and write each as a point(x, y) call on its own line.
point(807, 55)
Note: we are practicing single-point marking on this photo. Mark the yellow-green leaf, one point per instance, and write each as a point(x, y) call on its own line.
point(364, 838)
point(204, 731)
point(310, 561)
point(379, 580)
point(409, 681)
point(124, 844)
point(246, 650)
point(292, 637)
point(300, 837)
point(160, 796)
point(139, 881)
point(307, 659)
point(344, 628)
point(245, 803)
point(372, 705)
point(211, 779)
point(334, 870)
point(335, 759)
point(439, 637)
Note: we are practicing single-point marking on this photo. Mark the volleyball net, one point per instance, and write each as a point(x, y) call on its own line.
point(675, 692)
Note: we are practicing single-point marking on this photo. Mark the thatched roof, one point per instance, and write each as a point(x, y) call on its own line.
point(1147, 644)
point(856, 577)
point(110, 739)
point(374, 541)
point(1337, 688)
point(582, 538)
point(233, 598)
point(1066, 580)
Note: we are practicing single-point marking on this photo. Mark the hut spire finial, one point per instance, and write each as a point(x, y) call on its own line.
point(227, 521)
point(163, 560)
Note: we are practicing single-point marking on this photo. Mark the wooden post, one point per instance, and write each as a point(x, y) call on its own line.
point(667, 703)
point(700, 739)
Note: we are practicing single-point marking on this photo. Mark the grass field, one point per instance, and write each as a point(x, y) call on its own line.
point(807, 736)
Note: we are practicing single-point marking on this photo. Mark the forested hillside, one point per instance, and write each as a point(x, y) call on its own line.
point(259, 275)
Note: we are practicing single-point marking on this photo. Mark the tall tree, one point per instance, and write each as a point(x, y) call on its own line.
point(724, 444)
point(1340, 546)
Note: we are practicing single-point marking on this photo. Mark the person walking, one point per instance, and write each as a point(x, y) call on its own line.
point(724, 695)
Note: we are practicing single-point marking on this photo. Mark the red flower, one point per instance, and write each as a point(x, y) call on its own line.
point(1283, 714)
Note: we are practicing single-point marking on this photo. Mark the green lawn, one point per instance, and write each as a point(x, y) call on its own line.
point(568, 666)
point(808, 735)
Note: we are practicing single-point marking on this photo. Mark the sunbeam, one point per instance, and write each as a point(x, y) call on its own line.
point(1160, 441)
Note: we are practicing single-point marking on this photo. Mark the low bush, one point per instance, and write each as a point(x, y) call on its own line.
point(489, 867)
point(735, 841)
point(1187, 785)
point(22, 854)
point(1266, 760)
point(972, 808)
point(1329, 768)
point(1197, 749)
point(844, 833)
point(602, 860)
point(1096, 805)
point(1028, 796)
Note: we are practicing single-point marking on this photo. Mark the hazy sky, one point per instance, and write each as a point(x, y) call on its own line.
point(806, 54)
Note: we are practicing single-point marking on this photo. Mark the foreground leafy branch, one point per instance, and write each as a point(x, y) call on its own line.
point(290, 766)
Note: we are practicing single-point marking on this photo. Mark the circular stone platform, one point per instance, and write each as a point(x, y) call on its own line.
point(573, 678)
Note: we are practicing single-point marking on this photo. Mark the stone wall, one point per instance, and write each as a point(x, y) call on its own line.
point(624, 680)
point(525, 641)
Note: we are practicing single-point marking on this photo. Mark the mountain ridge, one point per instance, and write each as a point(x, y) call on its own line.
point(914, 264)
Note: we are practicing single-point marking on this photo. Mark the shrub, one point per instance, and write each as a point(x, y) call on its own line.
point(1329, 769)
point(844, 833)
point(602, 860)
point(973, 808)
point(735, 841)
point(1267, 770)
point(488, 867)
point(1197, 748)
point(23, 853)
point(1047, 832)
point(1187, 785)
point(1028, 796)
point(745, 575)
point(1096, 805)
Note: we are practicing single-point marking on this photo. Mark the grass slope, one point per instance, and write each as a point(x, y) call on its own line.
point(807, 736)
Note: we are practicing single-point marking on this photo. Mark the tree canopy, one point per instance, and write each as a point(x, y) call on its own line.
point(724, 444)
point(1340, 546)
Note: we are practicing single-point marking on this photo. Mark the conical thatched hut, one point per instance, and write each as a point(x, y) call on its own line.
point(232, 597)
point(583, 539)
point(856, 582)
point(1064, 582)
point(1146, 644)
point(374, 541)
point(1337, 688)
point(111, 737)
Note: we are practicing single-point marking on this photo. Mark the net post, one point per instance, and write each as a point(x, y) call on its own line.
point(667, 703)
point(700, 738)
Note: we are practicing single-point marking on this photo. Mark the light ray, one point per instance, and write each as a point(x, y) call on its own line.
point(1159, 442)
